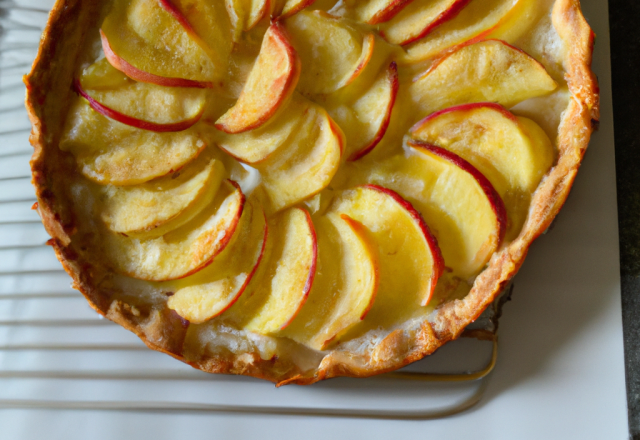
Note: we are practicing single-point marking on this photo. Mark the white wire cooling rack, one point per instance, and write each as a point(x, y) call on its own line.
point(55, 352)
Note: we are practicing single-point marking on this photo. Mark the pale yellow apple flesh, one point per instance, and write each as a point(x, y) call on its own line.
point(461, 212)
point(307, 161)
point(488, 71)
point(109, 152)
point(142, 101)
point(271, 82)
point(246, 14)
point(211, 291)
point(345, 285)
point(180, 252)
point(150, 40)
point(418, 18)
point(102, 76)
point(364, 118)
point(286, 8)
point(333, 51)
point(475, 21)
point(518, 21)
point(513, 152)
point(207, 23)
point(257, 145)
point(258, 9)
point(163, 204)
point(368, 46)
point(286, 275)
point(238, 17)
point(373, 11)
point(404, 246)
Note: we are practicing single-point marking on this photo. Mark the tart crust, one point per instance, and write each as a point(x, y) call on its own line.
point(48, 97)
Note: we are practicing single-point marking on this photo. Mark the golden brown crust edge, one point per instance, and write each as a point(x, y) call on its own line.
point(163, 330)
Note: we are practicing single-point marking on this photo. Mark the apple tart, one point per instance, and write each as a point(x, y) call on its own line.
point(297, 190)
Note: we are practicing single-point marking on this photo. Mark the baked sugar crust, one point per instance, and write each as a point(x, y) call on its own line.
point(48, 97)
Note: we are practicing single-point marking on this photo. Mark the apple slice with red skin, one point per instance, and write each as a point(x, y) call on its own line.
point(246, 14)
point(513, 152)
point(418, 18)
point(404, 245)
point(448, 191)
point(282, 9)
point(497, 205)
point(140, 75)
point(207, 23)
point(108, 152)
point(285, 277)
point(333, 51)
point(255, 146)
point(372, 271)
point(183, 251)
point(369, 44)
point(389, 11)
point(486, 71)
point(271, 82)
point(141, 105)
point(157, 207)
point(305, 164)
point(173, 9)
point(518, 21)
point(258, 10)
point(345, 286)
point(473, 23)
point(403, 239)
point(146, 42)
point(374, 11)
point(211, 291)
point(365, 117)
point(134, 122)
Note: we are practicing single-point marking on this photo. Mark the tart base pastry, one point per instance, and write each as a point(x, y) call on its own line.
point(222, 348)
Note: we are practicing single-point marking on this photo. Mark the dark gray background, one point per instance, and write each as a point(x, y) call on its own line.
point(625, 63)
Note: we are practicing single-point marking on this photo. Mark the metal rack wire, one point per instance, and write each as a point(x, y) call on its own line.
point(51, 342)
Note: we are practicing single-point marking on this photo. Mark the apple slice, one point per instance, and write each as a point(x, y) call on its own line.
point(490, 70)
point(473, 23)
point(144, 41)
point(513, 152)
point(207, 23)
point(333, 52)
point(286, 8)
point(214, 289)
point(366, 117)
point(404, 246)
point(257, 145)
point(345, 286)
point(286, 277)
point(307, 161)
point(516, 23)
point(373, 11)
point(258, 9)
point(109, 152)
point(419, 18)
point(163, 204)
point(183, 251)
point(246, 14)
point(449, 191)
point(146, 106)
point(271, 82)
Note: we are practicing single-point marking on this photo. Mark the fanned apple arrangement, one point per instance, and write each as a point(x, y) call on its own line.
point(320, 179)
